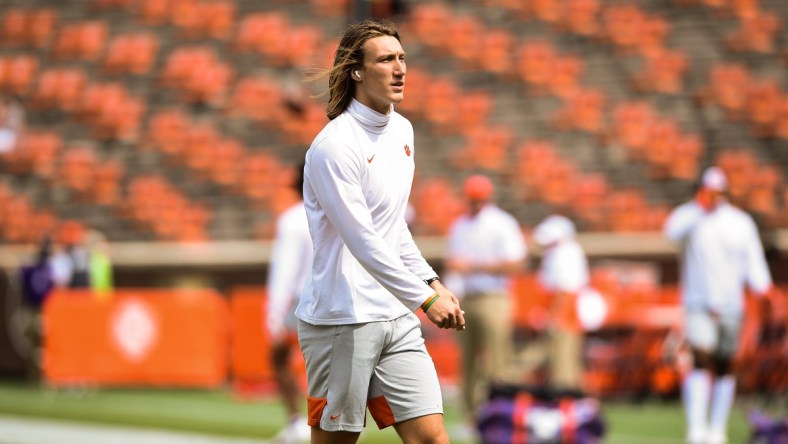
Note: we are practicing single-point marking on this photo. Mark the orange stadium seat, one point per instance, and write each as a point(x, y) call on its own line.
point(654, 31)
point(622, 25)
point(685, 162)
point(27, 27)
point(564, 79)
point(728, 84)
point(632, 122)
point(13, 29)
point(42, 24)
point(663, 72)
point(166, 132)
point(131, 53)
point(534, 158)
point(434, 220)
point(495, 54)
point(764, 103)
point(259, 168)
point(330, 8)
point(301, 47)
point(486, 148)
point(109, 5)
point(463, 42)
point(153, 12)
point(261, 32)
point(34, 154)
point(756, 33)
point(81, 41)
point(259, 99)
point(59, 88)
point(201, 140)
point(440, 109)
point(590, 192)
point(582, 17)
point(429, 22)
point(549, 11)
point(583, 111)
point(665, 134)
point(17, 74)
point(225, 166)
point(535, 60)
point(107, 187)
point(475, 108)
point(76, 172)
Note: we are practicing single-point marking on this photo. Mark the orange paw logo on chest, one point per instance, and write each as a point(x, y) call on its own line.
point(407, 150)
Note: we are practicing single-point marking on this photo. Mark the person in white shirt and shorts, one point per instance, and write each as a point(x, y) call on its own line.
point(357, 328)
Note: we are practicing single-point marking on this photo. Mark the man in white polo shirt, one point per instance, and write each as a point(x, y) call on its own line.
point(485, 248)
point(564, 274)
point(721, 252)
point(358, 332)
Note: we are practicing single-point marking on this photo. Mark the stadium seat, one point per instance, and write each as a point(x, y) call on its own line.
point(81, 41)
point(131, 54)
point(632, 123)
point(439, 108)
point(153, 12)
point(565, 76)
point(622, 26)
point(486, 147)
point(663, 72)
point(756, 33)
point(581, 17)
point(495, 54)
point(167, 131)
point(535, 63)
point(764, 103)
point(17, 74)
point(462, 40)
point(107, 187)
point(259, 99)
point(25, 28)
point(583, 111)
point(727, 87)
point(433, 219)
point(76, 173)
point(261, 32)
point(429, 22)
point(60, 88)
point(330, 8)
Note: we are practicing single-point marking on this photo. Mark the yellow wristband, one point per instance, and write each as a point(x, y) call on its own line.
point(428, 303)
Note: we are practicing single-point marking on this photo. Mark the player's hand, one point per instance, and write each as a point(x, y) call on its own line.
point(445, 312)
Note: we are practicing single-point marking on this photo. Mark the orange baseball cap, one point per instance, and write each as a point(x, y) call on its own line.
point(478, 187)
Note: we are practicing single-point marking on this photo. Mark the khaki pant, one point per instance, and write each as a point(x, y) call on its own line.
point(566, 359)
point(486, 346)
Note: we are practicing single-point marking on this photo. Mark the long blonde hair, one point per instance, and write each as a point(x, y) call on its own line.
point(349, 56)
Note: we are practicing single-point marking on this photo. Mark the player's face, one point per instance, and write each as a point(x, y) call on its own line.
point(382, 78)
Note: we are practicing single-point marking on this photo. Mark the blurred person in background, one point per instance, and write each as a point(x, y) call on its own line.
point(358, 332)
point(99, 263)
point(485, 249)
point(563, 273)
point(291, 261)
point(721, 252)
point(12, 122)
point(71, 257)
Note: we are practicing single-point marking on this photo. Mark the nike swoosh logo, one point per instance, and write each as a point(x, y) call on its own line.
point(369, 159)
point(334, 417)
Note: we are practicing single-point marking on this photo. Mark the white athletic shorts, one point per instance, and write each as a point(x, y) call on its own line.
point(720, 337)
point(381, 365)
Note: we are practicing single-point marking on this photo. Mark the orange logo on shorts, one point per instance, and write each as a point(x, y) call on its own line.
point(407, 150)
point(334, 417)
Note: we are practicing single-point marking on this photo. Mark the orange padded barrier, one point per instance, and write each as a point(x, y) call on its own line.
point(251, 346)
point(136, 337)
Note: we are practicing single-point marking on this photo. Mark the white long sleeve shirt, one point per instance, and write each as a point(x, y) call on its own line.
point(564, 268)
point(291, 261)
point(721, 253)
point(358, 177)
point(490, 237)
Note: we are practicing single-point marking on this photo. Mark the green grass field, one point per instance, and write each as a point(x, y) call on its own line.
point(221, 412)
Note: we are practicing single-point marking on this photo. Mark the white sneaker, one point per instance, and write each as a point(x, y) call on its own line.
point(696, 436)
point(716, 436)
point(297, 432)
